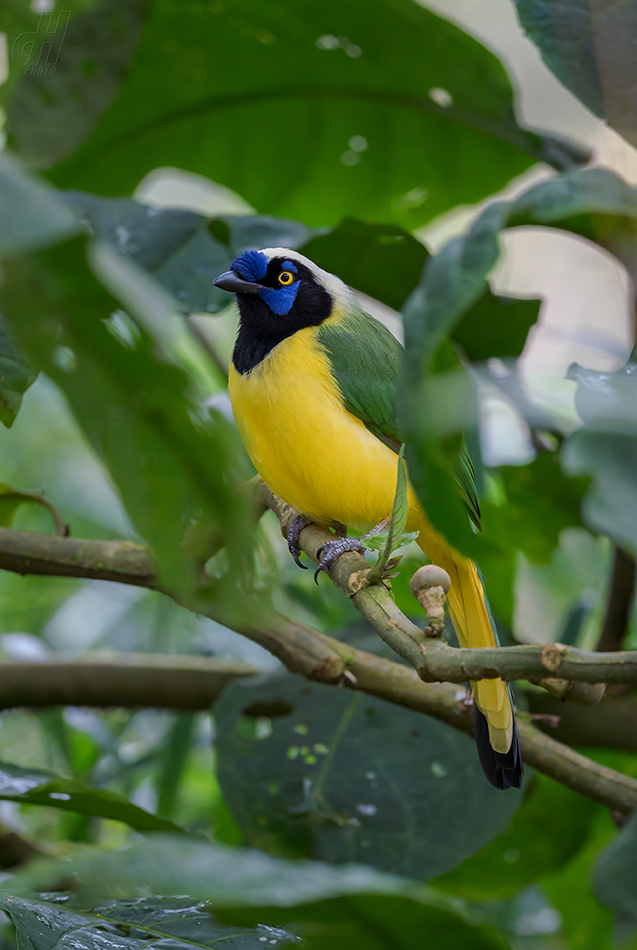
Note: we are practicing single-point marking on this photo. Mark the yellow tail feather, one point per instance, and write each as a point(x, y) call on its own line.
point(471, 622)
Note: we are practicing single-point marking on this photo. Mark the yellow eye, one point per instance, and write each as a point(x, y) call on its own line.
point(286, 277)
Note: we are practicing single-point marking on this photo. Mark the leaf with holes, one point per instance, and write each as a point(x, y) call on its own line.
point(342, 777)
point(304, 110)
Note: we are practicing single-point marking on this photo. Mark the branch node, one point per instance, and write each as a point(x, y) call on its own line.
point(551, 656)
point(358, 581)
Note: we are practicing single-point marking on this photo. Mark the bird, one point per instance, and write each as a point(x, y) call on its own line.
point(312, 384)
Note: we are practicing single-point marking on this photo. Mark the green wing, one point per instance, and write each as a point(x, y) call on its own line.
point(365, 359)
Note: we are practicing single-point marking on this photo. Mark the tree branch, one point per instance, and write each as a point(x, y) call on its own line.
point(120, 679)
point(300, 648)
point(621, 596)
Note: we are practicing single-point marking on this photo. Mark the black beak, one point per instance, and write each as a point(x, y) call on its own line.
point(232, 282)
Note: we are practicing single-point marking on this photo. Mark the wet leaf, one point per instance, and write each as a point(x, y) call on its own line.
point(55, 922)
point(40, 787)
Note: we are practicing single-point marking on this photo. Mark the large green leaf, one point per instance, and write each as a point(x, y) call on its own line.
point(173, 468)
point(606, 449)
point(383, 261)
point(304, 110)
point(547, 830)
point(615, 878)
point(594, 203)
point(308, 771)
point(31, 216)
point(69, 75)
point(184, 250)
point(39, 787)
point(337, 907)
point(54, 922)
point(496, 326)
point(590, 48)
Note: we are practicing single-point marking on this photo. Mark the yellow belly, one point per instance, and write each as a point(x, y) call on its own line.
point(305, 445)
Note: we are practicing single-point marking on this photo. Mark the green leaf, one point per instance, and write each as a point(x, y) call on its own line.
point(382, 261)
point(15, 377)
point(39, 787)
point(606, 449)
point(398, 521)
point(594, 203)
point(170, 466)
point(547, 830)
point(337, 907)
point(31, 216)
point(615, 877)
point(540, 502)
point(307, 771)
point(591, 51)
point(496, 326)
point(53, 922)
point(11, 499)
point(69, 75)
point(305, 112)
point(184, 250)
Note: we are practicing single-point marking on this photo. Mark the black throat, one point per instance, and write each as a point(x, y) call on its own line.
point(260, 330)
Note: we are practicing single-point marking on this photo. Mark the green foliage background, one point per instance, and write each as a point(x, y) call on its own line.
point(293, 812)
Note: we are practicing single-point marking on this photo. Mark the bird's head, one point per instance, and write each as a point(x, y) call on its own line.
point(278, 288)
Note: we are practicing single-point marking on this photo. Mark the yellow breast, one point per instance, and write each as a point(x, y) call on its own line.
point(305, 445)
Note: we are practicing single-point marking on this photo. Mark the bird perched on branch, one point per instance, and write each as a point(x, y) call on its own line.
point(313, 388)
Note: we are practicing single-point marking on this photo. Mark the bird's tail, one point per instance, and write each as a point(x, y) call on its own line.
point(495, 730)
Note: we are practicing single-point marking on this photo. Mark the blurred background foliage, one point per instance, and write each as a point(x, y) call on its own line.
point(146, 144)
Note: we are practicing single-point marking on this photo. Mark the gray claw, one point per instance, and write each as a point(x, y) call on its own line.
point(294, 533)
point(333, 550)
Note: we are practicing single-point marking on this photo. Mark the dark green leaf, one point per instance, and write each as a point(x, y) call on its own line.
point(382, 261)
point(39, 787)
point(180, 247)
point(540, 502)
point(593, 203)
point(73, 64)
point(15, 377)
point(381, 922)
point(169, 466)
point(615, 879)
point(307, 112)
point(346, 777)
point(547, 830)
point(340, 908)
point(606, 449)
point(496, 326)
point(54, 922)
point(590, 48)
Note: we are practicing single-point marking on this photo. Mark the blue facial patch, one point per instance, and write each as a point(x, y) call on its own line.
point(251, 265)
point(288, 265)
point(280, 300)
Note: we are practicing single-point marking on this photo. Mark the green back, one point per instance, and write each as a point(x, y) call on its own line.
point(366, 359)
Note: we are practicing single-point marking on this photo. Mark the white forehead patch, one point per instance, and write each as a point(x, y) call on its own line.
point(340, 292)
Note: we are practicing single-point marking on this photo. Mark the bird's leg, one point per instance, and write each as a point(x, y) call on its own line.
point(332, 550)
point(294, 533)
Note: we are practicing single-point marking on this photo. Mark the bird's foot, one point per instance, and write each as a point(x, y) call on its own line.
point(294, 533)
point(331, 550)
